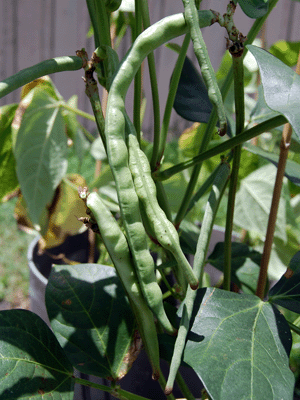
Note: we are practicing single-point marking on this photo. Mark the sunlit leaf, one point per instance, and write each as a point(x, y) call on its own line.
point(253, 202)
point(239, 346)
point(33, 365)
point(40, 150)
point(281, 86)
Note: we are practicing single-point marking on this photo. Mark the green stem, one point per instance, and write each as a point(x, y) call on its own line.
point(92, 13)
point(202, 190)
point(93, 95)
point(160, 139)
point(294, 328)
point(196, 170)
point(238, 73)
point(152, 73)
point(138, 77)
point(78, 112)
point(21, 78)
point(213, 119)
point(116, 391)
point(183, 387)
point(221, 148)
point(199, 262)
point(102, 23)
point(208, 73)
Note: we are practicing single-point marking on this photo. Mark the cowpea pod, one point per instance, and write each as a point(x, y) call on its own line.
point(154, 36)
point(121, 249)
point(117, 247)
point(208, 73)
point(211, 209)
point(165, 232)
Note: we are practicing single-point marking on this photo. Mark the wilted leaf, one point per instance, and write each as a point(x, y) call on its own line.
point(8, 176)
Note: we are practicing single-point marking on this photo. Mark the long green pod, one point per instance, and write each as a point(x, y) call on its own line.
point(151, 38)
point(201, 251)
point(117, 247)
point(148, 284)
point(208, 73)
point(165, 232)
point(47, 67)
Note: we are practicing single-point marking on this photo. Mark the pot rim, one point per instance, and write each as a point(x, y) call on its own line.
point(31, 263)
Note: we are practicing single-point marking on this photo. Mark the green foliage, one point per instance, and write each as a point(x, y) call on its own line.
point(236, 343)
point(8, 177)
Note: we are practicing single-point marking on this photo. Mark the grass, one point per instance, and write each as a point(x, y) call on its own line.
point(14, 272)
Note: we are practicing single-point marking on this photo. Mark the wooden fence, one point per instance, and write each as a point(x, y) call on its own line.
point(34, 30)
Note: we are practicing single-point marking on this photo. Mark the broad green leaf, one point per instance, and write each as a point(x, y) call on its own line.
point(253, 202)
point(238, 346)
point(33, 365)
point(81, 144)
point(254, 8)
point(8, 176)
point(40, 151)
point(191, 101)
point(292, 169)
point(244, 264)
point(281, 86)
point(261, 112)
point(287, 52)
point(286, 292)
point(91, 318)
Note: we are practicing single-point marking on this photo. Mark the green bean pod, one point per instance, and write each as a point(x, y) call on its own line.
point(208, 73)
point(117, 247)
point(211, 209)
point(165, 232)
point(146, 276)
point(150, 39)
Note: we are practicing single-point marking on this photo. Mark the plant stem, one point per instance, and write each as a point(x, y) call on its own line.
point(160, 139)
point(221, 148)
point(199, 262)
point(47, 67)
point(93, 95)
point(238, 73)
point(213, 119)
point(183, 387)
point(91, 9)
point(78, 112)
point(102, 23)
point(138, 76)
point(115, 391)
point(208, 73)
point(284, 150)
point(152, 73)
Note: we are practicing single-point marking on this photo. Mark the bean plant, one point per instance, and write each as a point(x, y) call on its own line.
point(149, 287)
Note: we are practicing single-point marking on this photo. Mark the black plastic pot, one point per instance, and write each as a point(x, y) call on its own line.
point(138, 380)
